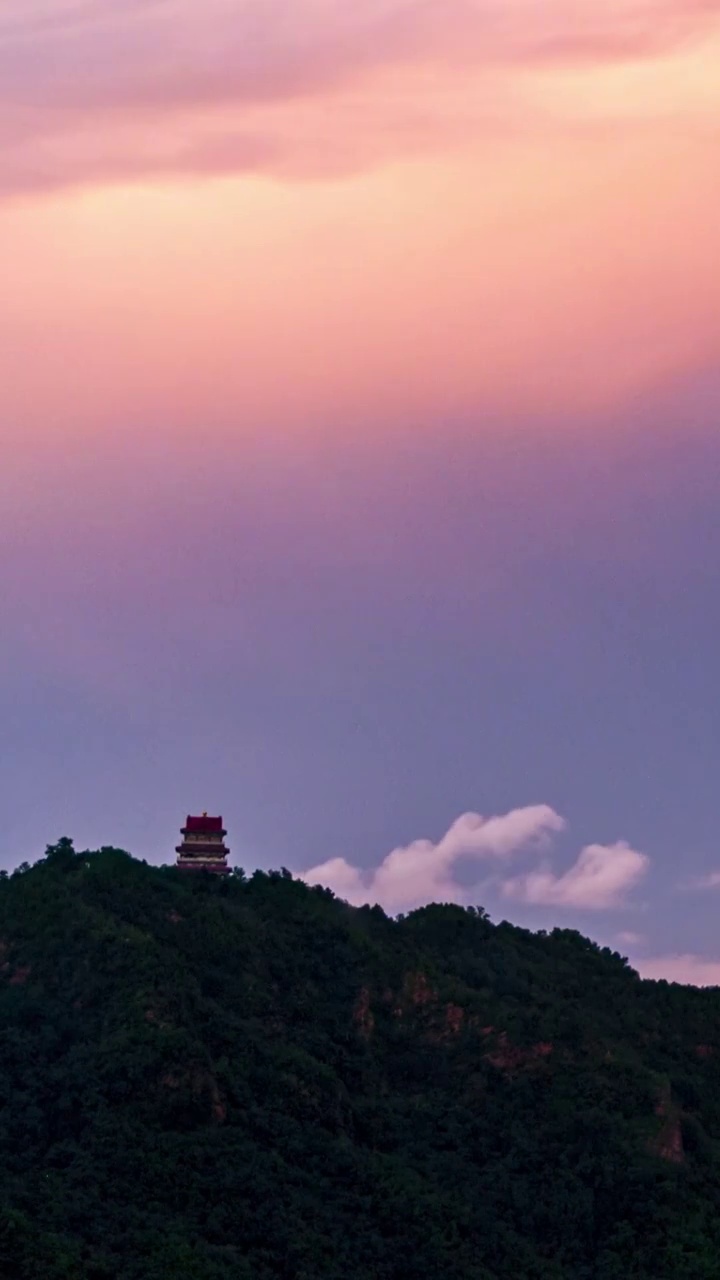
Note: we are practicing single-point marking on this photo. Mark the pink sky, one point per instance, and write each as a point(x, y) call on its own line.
point(410, 210)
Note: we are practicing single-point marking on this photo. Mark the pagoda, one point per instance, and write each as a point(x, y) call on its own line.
point(203, 847)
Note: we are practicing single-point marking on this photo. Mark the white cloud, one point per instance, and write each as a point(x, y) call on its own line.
point(629, 939)
point(600, 879)
point(422, 872)
point(695, 971)
point(711, 881)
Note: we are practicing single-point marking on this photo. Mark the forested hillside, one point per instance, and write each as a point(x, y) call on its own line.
point(247, 1080)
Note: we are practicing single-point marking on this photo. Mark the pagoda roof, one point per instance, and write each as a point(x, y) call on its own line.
point(203, 823)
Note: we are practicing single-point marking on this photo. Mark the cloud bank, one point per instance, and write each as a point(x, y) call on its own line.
point(691, 970)
point(600, 879)
point(423, 871)
point(116, 89)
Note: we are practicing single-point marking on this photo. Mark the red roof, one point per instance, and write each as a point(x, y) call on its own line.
point(203, 823)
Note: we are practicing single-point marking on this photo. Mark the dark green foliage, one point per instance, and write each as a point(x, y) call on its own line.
point(249, 1080)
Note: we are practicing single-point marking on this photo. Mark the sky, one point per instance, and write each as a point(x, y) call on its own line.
point(360, 429)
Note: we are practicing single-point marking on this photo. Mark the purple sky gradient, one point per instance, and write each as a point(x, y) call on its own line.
point(344, 649)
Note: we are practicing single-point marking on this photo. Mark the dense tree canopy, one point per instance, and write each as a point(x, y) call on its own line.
point(247, 1079)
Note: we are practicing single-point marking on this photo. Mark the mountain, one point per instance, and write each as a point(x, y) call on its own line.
point(247, 1079)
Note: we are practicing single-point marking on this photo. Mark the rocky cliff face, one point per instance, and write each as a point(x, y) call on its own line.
point(667, 1143)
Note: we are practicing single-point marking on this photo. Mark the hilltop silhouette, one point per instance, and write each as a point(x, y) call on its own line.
point(246, 1079)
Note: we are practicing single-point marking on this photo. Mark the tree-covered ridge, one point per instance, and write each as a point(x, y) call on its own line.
point(248, 1078)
